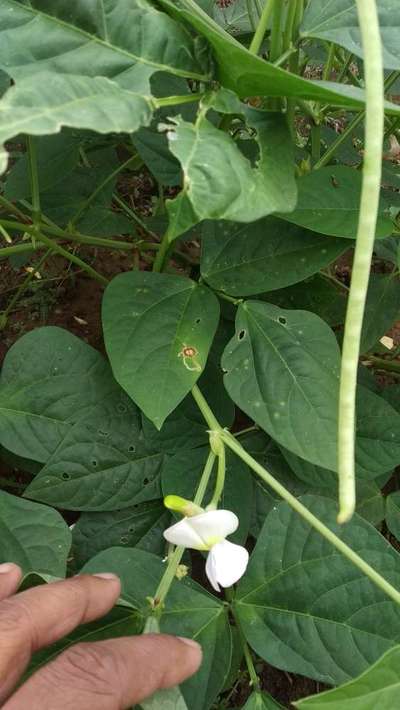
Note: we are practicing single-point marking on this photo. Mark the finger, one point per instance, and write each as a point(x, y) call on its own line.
point(40, 616)
point(109, 675)
point(10, 577)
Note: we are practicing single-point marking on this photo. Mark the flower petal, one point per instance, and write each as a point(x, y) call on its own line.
point(214, 525)
point(226, 563)
point(182, 533)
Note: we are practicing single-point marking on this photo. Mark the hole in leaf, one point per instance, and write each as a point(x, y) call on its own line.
point(132, 448)
point(282, 320)
point(66, 476)
point(145, 481)
point(198, 320)
point(241, 334)
point(94, 462)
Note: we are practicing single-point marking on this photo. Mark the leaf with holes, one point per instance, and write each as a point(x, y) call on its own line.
point(305, 608)
point(33, 536)
point(338, 22)
point(243, 260)
point(189, 611)
point(158, 330)
point(282, 370)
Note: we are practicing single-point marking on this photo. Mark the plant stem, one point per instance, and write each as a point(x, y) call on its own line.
point(134, 162)
point(382, 364)
point(250, 14)
point(22, 288)
point(12, 208)
point(71, 257)
point(259, 34)
point(159, 261)
point(254, 679)
point(276, 31)
point(220, 483)
point(372, 170)
point(131, 214)
point(288, 34)
point(311, 519)
point(177, 100)
point(169, 574)
point(345, 68)
point(329, 63)
point(34, 179)
point(6, 252)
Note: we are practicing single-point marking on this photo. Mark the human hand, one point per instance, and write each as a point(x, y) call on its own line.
point(106, 675)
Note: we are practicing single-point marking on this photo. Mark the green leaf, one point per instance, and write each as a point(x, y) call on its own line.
point(249, 75)
point(33, 536)
point(336, 210)
point(139, 526)
point(150, 322)
point(189, 612)
point(43, 103)
point(167, 699)
point(282, 370)
point(261, 701)
point(378, 435)
point(338, 22)
point(393, 513)
point(181, 475)
point(381, 310)
point(93, 41)
point(243, 260)
point(103, 463)
point(57, 157)
point(305, 608)
point(152, 147)
point(318, 294)
point(227, 186)
point(377, 687)
point(50, 379)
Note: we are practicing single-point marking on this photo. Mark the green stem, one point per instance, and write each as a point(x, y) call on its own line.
point(254, 679)
point(220, 482)
point(288, 34)
point(12, 209)
point(329, 63)
point(6, 252)
point(311, 519)
point(276, 31)
point(131, 214)
point(159, 261)
point(259, 34)
point(22, 288)
point(370, 193)
point(177, 100)
point(344, 68)
point(393, 76)
point(34, 179)
point(71, 257)
point(169, 574)
point(133, 161)
point(382, 364)
point(251, 14)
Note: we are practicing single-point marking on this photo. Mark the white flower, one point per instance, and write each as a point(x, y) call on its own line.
point(226, 562)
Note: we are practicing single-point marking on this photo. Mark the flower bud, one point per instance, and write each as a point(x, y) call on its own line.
point(180, 505)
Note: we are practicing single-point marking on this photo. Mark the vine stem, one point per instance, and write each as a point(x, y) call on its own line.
point(294, 503)
point(254, 679)
point(34, 179)
point(173, 562)
point(372, 170)
point(71, 257)
point(259, 34)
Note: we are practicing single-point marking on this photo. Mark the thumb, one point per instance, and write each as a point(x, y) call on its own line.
point(116, 673)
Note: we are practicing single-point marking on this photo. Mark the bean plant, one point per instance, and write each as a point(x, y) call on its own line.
point(226, 454)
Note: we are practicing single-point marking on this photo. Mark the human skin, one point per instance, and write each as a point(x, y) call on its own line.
point(106, 675)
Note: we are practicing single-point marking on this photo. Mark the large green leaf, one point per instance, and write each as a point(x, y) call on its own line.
point(338, 22)
point(108, 38)
point(381, 310)
point(181, 475)
point(249, 75)
point(50, 379)
point(45, 102)
point(226, 186)
point(329, 203)
point(138, 526)
point(158, 330)
point(243, 260)
point(282, 370)
point(377, 687)
point(319, 294)
point(33, 536)
point(102, 463)
point(189, 611)
point(305, 608)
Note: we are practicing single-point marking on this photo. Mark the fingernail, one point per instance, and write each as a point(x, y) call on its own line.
point(7, 567)
point(107, 575)
point(191, 643)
